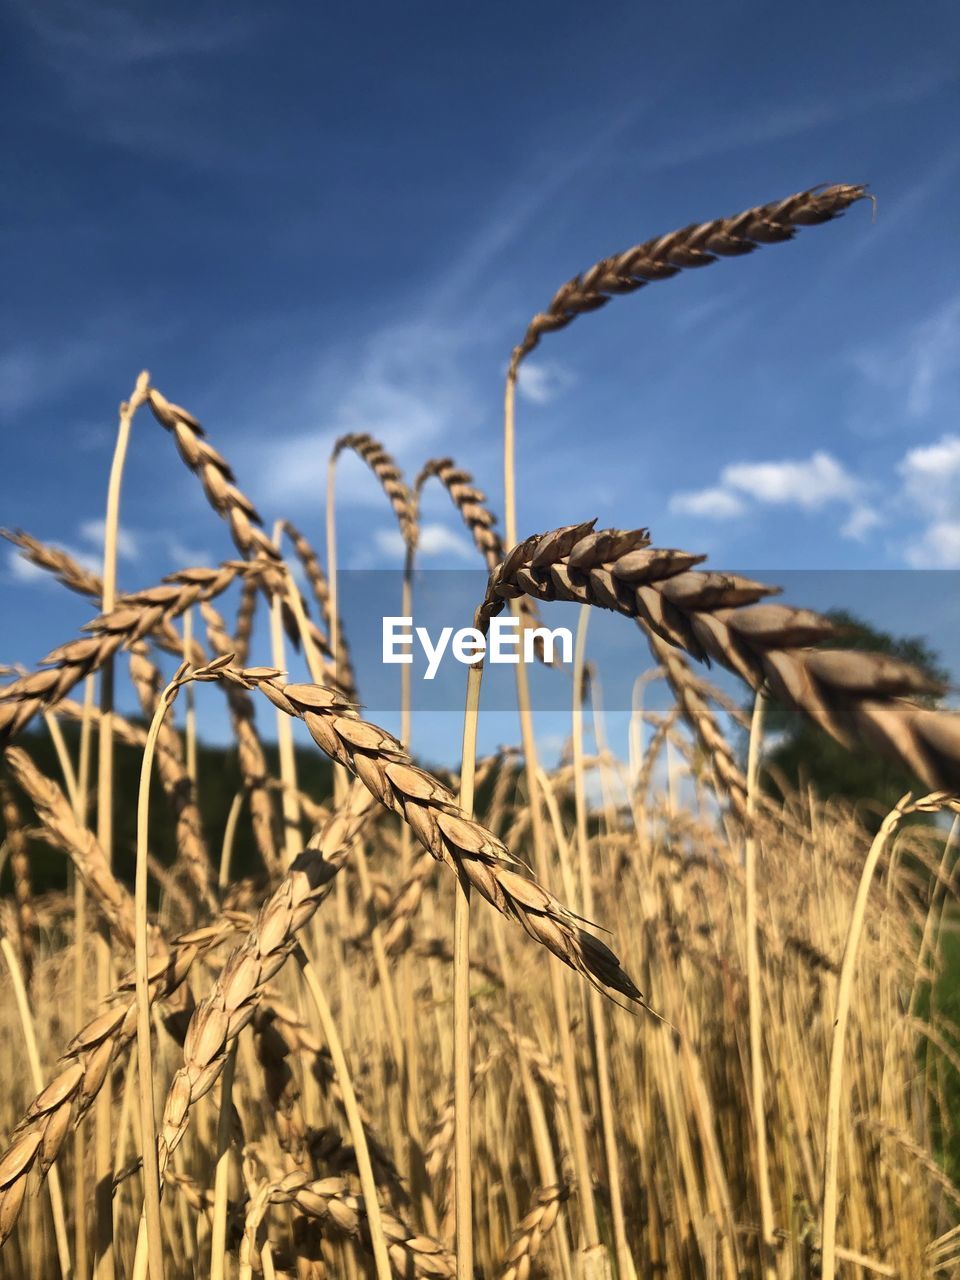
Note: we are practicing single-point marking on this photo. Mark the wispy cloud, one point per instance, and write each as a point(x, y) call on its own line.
point(128, 543)
point(919, 368)
point(714, 503)
point(435, 540)
point(405, 387)
point(543, 381)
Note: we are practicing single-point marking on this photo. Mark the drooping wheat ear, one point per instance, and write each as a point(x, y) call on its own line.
point(390, 476)
point(698, 713)
point(74, 576)
point(61, 826)
point(695, 246)
point(135, 616)
point(479, 519)
point(462, 844)
point(531, 1230)
point(22, 885)
point(230, 1005)
point(332, 1202)
point(216, 476)
point(321, 592)
point(250, 754)
point(177, 784)
point(856, 697)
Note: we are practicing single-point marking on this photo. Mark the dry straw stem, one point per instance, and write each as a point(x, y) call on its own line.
point(530, 1232)
point(856, 697)
point(694, 246)
point(135, 616)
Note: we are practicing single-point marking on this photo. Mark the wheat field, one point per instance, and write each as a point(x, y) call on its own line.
point(358, 1058)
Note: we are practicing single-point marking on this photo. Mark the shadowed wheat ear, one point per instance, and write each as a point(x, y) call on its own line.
point(855, 696)
point(332, 1202)
point(530, 1231)
point(694, 246)
point(18, 853)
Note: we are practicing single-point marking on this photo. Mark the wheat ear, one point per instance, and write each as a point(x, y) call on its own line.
point(854, 696)
point(694, 246)
point(22, 885)
point(135, 616)
point(391, 479)
point(530, 1232)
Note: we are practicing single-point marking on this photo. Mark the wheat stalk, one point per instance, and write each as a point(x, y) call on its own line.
point(854, 696)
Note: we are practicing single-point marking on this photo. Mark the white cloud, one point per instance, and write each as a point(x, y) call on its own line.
point(930, 480)
point(931, 474)
point(713, 504)
point(128, 544)
point(861, 521)
point(807, 483)
point(435, 540)
point(542, 382)
point(937, 548)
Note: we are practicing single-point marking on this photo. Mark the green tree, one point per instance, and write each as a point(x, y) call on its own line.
point(806, 756)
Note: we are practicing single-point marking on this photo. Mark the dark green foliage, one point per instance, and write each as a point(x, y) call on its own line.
point(804, 755)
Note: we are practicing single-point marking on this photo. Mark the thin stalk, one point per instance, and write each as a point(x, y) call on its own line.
point(148, 1123)
point(80, 1242)
point(292, 843)
point(221, 1181)
point(104, 1264)
point(461, 996)
point(753, 993)
point(368, 1183)
point(229, 836)
point(848, 968)
point(33, 1059)
point(190, 695)
point(625, 1266)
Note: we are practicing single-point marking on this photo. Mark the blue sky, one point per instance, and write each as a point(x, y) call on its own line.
point(311, 219)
